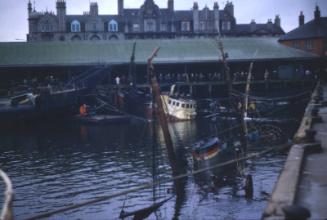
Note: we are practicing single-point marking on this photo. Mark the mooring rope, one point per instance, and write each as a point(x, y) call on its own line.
point(6, 212)
point(160, 181)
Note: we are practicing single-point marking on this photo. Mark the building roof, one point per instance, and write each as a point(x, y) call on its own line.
point(86, 18)
point(131, 14)
point(118, 52)
point(183, 15)
point(258, 29)
point(312, 29)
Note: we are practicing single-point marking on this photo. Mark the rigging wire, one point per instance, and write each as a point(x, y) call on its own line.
point(273, 112)
point(159, 181)
point(164, 180)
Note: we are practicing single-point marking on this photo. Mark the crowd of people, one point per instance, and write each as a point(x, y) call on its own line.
point(120, 79)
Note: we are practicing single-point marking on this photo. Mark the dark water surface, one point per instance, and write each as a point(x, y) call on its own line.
point(55, 165)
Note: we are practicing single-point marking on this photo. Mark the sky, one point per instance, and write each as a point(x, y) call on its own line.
point(14, 25)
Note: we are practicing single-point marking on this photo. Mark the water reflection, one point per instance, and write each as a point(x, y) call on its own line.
point(58, 164)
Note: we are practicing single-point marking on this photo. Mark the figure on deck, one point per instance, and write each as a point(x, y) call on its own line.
point(83, 110)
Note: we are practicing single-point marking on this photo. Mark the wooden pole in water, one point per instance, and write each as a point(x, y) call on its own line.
point(160, 112)
point(248, 187)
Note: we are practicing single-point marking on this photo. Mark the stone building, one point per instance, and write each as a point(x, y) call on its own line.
point(147, 22)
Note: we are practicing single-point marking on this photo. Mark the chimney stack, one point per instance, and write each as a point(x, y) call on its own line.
point(277, 21)
point(301, 19)
point(317, 14)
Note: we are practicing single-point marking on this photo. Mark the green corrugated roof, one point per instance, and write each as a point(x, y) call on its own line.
point(116, 52)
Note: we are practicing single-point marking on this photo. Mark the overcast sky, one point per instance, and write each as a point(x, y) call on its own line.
point(14, 26)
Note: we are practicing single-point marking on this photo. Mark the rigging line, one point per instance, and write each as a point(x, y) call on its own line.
point(239, 125)
point(160, 181)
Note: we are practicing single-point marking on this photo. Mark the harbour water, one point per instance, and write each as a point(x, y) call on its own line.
point(53, 165)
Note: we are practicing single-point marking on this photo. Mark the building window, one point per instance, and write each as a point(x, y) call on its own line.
point(309, 44)
point(75, 26)
point(296, 44)
point(94, 26)
point(226, 25)
point(202, 26)
point(149, 25)
point(113, 26)
point(136, 27)
point(163, 27)
point(185, 26)
point(46, 27)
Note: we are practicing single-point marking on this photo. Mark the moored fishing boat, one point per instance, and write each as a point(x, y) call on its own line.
point(178, 107)
point(206, 149)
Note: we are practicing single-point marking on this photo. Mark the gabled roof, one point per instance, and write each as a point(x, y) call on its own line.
point(118, 52)
point(131, 14)
point(86, 18)
point(206, 14)
point(312, 29)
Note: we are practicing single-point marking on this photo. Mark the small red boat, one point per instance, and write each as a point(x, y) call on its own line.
point(206, 149)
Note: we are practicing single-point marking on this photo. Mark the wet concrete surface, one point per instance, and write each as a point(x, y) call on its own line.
point(312, 192)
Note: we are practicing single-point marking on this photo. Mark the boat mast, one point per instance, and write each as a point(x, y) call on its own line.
point(226, 69)
point(226, 74)
point(160, 111)
point(131, 71)
point(246, 99)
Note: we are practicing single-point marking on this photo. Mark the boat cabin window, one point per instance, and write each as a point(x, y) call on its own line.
point(183, 105)
point(177, 104)
point(187, 106)
point(173, 103)
point(169, 102)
